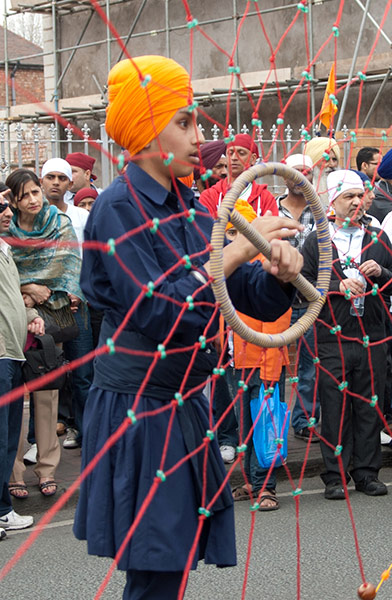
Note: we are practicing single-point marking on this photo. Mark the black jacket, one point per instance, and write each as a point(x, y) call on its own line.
point(376, 312)
point(382, 203)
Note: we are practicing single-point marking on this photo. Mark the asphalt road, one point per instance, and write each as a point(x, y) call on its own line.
point(57, 567)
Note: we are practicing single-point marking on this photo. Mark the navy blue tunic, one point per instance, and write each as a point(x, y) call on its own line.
point(112, 495)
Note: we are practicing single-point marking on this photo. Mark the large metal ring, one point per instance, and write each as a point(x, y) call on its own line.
point(316, 296)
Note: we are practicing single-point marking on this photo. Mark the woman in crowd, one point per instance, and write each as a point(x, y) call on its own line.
point(49, 275)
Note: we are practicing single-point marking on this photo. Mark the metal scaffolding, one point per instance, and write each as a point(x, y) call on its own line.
point(39, 136)
point(60, 8)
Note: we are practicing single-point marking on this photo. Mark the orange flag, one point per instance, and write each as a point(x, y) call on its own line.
point(328, 108)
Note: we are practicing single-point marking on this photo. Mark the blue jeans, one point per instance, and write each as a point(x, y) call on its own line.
point(10, 424)
point(306, 378)
point(227, 432)
point(255, 474)
point(83, 375)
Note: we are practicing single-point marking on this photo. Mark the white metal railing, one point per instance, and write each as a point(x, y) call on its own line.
point(30, 145)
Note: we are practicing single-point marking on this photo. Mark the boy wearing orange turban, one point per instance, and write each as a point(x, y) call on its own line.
point(153, 284)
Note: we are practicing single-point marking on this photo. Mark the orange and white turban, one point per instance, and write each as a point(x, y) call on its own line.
point(144, 94)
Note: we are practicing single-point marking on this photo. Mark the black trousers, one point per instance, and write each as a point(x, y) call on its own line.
point(361, 423)
point(152, 585)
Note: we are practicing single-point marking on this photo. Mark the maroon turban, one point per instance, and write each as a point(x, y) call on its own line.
point(245, 141)
point(210, 155)
point(83, 161)
point(84, 193)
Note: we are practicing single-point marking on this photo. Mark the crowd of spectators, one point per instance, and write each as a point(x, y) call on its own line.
point(358, 207)
point(36, 280)
point(40, 291)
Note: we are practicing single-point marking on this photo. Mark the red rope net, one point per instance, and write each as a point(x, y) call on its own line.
point(195, 29)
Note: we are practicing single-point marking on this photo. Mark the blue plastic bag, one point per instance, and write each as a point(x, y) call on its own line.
point(269, 428)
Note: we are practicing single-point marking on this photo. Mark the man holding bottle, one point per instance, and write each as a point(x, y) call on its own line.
point(350, 359)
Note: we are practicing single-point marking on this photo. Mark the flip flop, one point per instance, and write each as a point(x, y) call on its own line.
point(15, 487)
point(240, 493)
point(269, 495)
point(43, 487)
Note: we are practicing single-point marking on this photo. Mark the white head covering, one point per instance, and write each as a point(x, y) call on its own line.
point(342, 180)
point(299, 160)
point(57, 165)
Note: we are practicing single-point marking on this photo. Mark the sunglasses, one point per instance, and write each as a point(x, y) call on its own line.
point(4, 205)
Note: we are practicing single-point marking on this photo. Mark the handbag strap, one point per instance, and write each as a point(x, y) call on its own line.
point(47, 344)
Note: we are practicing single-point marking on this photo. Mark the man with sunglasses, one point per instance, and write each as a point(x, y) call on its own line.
point(15, 321)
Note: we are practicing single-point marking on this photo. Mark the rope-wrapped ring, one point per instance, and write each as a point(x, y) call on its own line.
point(315, 296)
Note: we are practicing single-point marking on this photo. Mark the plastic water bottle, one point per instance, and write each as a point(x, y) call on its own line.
point(358, 303)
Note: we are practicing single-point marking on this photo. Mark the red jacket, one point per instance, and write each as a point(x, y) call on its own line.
point(260, 198)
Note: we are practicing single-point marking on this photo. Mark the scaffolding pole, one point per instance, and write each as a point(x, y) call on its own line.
point(136, 19)
point(311, 55)
point(236, 19)
point(353, 63)
point(55, 71)
point(68, 63)
point(377, 97)
point(7, 92)
point(372, 20)
point(167, 26)
point(108, 36)
point(6, 63)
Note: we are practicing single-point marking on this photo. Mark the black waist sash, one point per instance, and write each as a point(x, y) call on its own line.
point(120, 372)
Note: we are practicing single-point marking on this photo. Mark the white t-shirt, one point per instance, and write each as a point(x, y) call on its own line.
point(79, 218)
point(4, 247)
point(386, 225)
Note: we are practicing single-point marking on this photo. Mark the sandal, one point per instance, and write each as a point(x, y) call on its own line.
point(14, 488)
point(268, 495)
point(240, 493)
point(43, 487)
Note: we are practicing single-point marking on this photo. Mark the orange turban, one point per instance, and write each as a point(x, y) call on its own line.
point(245, 209)
point(144, 94)
point(188, 180)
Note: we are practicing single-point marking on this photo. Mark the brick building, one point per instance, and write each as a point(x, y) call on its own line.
point(26, 76)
